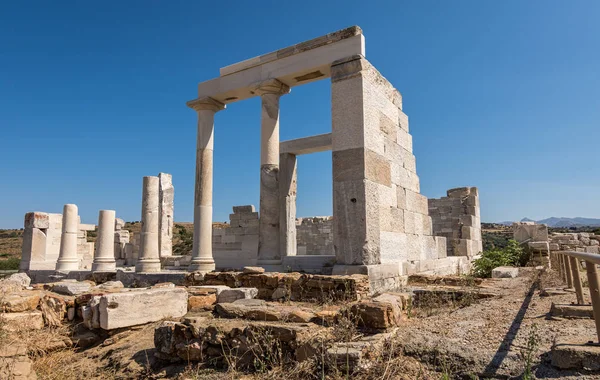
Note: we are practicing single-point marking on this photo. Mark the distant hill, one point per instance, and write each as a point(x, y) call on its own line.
point(560, 222)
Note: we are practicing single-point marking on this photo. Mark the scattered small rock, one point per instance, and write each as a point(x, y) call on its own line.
point(253, 270)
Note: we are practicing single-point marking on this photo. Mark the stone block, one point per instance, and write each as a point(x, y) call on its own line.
point(377, 168)
point(231, 295)
point(575, 356)
point(571, 311)
point(376, 315)
point(441, 246)
point(201, 302)
point(392, 219)
point(243, 209)
point(592, 249)
point(71, 288)
point(133, 308)
point(19, 302)
point(404, 140)
point(505, 272)
point(392, 245)
point(470, 233)
point(538, 245)
point(28, 320)
point(253, 270)
point(416, 202)
point(37, 220)
point(401, 196)
point(355, 203)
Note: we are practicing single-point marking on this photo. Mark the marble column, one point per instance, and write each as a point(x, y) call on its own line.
point(67, 257)
point(202, 257)
point(104, 257)
point(269, 234)
point(149, 260)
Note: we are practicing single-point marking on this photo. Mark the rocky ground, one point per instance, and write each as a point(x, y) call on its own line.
point(453, 328)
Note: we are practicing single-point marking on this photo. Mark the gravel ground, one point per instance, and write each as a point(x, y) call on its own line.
point(489, 338)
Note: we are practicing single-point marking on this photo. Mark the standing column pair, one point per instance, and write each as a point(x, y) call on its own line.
point(269, 225)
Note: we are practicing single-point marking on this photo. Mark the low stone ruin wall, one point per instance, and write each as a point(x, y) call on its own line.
point(576, 241)
point(457, 218)
point(41, 242)
point(314, 235)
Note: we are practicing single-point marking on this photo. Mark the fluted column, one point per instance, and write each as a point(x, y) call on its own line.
point(148, 260)
point(269, 227)
point(202, 257)
point(104, 257)
point(67, 257)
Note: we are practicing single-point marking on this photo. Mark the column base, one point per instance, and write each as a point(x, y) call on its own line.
point(152, 265)
point(67, 265)
point(109, 266)
point(202, 265)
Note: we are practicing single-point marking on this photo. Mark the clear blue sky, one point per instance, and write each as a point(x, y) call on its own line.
point(503, 95)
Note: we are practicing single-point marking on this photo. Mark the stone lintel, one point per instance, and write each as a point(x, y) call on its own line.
point(293, 70)
point(306, 145)
point(292, 50)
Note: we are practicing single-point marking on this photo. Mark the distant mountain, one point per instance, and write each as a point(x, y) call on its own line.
point(562, 222)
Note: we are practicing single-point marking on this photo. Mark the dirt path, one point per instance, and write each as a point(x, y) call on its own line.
point(490, 337)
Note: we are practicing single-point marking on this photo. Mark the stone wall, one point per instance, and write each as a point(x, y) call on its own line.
point(237, 245)
point(575, 241)
point(381, 222)
point(457, 218)
point(314, 236)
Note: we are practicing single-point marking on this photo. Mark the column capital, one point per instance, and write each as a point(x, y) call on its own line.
point(270, 86)
point(207, 103)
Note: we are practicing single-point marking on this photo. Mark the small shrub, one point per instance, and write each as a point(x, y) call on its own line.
point(512, 255)
point(10, 264)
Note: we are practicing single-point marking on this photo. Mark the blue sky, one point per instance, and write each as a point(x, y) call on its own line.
point(501, 95)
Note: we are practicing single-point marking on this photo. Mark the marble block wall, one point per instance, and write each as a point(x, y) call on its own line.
point(457, 218)
point(381, 222)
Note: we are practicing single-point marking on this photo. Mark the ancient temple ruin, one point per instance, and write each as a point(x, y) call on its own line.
point(381, 225)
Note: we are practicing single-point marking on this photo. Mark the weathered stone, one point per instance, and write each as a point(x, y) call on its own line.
point(18, 302)
point(376, 315)
point(138, 307)
point(15, 364)
point(16, 281)
point(71, 288)
point(571, 311)
point(576, 356)
point(28, 320)
point(230, 295)
point(110, 285)
point(505, 272)
point(53, 309)
point(253, 270)
point(196, 303)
